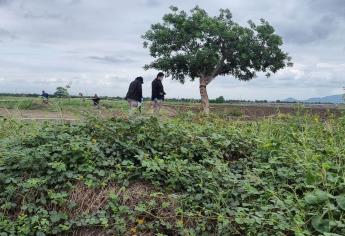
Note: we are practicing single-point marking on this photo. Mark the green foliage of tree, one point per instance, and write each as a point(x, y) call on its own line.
point(220, 99)
point(61, 92)
point(199, 46)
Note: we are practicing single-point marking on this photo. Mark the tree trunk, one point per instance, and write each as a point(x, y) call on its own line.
point(204, 95)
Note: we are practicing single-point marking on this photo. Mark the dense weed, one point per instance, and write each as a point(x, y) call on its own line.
point(186, 175)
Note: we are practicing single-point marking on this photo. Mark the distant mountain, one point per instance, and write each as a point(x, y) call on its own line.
point(290, 100)
point(327, 99)
point(336, 99)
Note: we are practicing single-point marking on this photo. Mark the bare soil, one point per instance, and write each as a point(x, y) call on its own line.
point(36, 115)
point(252, 112)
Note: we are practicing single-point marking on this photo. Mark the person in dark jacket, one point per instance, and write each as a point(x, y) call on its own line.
point(95, 99)
point(157, 93)
point(45, 97)
point(135, 93)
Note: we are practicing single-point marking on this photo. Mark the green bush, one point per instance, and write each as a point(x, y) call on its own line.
point(188, 175)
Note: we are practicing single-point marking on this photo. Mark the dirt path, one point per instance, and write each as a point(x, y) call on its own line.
point(170, 111)
point(36, 115)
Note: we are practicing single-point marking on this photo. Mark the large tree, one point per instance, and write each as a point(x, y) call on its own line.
point(202, 47)
point(61, 92)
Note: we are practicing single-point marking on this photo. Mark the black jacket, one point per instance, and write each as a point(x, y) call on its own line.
point(135, 90)
point(157, 90)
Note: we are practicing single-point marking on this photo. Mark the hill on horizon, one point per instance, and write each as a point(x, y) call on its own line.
point(335, 99)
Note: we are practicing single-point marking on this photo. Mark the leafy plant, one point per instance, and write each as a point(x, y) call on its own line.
point(191, 174)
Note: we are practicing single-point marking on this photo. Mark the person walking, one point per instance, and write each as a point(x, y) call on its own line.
point(135, 93)
point(157, 93)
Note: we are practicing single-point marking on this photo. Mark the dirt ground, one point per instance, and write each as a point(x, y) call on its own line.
point(252, 112)
point(36, 115)
point(258, 112)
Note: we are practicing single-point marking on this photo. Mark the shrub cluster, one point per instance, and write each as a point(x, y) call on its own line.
point(187, 175)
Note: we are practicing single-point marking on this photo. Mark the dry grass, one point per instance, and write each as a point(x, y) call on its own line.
point(90, 232)
point(139, 193)
point(88, 200)
point(91, 200)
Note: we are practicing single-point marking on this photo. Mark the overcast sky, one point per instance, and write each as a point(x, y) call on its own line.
point(96, 46)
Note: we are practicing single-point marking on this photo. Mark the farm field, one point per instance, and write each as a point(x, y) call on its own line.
point(156, 118)
point(28, 108)
point(106, 173)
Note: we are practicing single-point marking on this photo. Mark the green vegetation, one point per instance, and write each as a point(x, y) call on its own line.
point(185, 175)
point(233, 112)
point(219, 99)
point(75, 105)
point(61, 92)
point(17, 103)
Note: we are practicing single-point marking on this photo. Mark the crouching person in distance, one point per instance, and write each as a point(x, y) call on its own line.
point(135, 94)
point(157, 93)
point(45, 97)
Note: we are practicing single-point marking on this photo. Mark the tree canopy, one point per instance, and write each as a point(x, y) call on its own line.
point(61, 92)
point(197, 45)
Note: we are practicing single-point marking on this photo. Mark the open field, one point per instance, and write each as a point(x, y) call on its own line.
point(102, 172)
point(65, 109)
point(209, 160)
point(74, 108)
point(252, 111)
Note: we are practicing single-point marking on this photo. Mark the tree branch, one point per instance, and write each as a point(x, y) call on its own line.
point(216, 71)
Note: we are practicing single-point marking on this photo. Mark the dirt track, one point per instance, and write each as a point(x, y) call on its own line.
point(36, 115)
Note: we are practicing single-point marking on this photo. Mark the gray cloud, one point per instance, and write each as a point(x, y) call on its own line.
point(4, 2)
point(97, 46)
point(44, 15)
point(7, 35)
point(317, 30)
point(109, 59)
point(334, 7)
point(152, 3)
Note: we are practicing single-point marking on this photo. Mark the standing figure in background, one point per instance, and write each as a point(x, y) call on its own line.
point(45, 97)
point(81, 95)
point(135, 93)
point(157, 93)
point(96, 100)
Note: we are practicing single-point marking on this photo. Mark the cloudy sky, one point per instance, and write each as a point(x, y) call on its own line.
point(95, 46)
